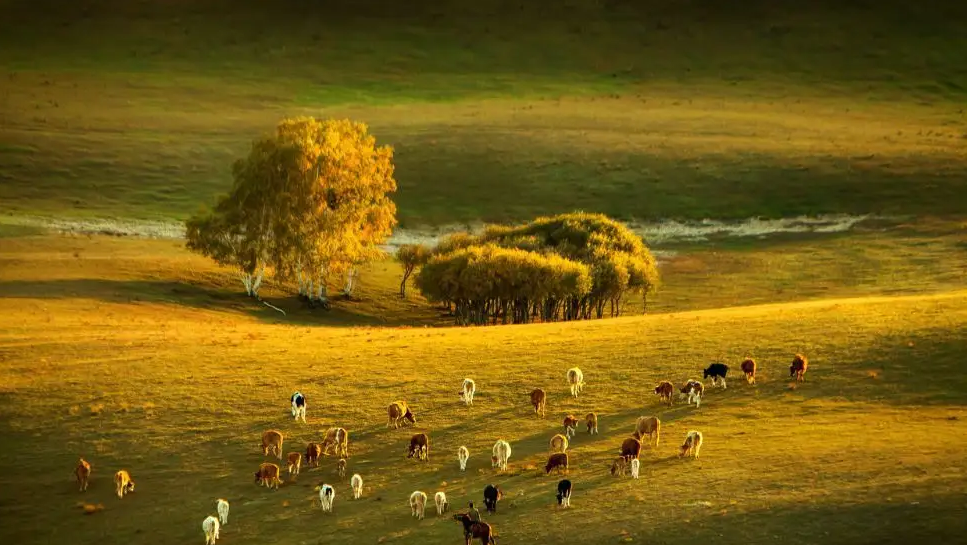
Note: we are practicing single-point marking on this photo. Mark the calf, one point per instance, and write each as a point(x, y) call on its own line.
point(210, 527)
point(341, 467)
point(635, 467)
point(575, 378)
point(83, 473)
point(694, 390)
point(559, 443)
point(556, 461)
point(327, 496)
point(591, 420)
point(619, 466)
point(123, 483)
point(417, 504)
point(419, 447)
point(399, 414)
point(748, 367)
point(717, 371)
point(357, 483)
point(665, 390)
point(650, 426)
point(798, 367)
point(564, 493)
point(338, 440)
point(492, 495)
point(313, 453)
point(501, 454)
point(298, 406)
point(630, 448)
point(272, 440)
point(295, 463)
point(692, 444)
point(570, 425)
point(222, 507)
point(268, 475)
point(442, 505)
point(467, 391)
point(539, 401)
point(463, 454)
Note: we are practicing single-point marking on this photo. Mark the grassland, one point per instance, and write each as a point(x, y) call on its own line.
point(131, 353)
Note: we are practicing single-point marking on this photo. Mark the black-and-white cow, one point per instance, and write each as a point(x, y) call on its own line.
point(298, 406)
point(717, 371)
point(564, 493)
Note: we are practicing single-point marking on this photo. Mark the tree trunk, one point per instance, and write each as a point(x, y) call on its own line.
point(406, 275)
point(351, 275)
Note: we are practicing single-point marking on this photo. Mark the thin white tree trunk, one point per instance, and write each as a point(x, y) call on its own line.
point(258, 281)
point(351, 275)
point(323, 296)
point(247, 281)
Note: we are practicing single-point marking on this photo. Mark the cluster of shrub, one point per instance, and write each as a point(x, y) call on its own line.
point(565, 267)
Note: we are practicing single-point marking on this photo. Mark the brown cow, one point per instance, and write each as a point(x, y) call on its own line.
point(556, 461)
point(399, 413)
point(619, 466)
point(419, 447)
point(295, 463)
point(272, 440)
point(539, 401)
point(665, 390)
point(341, 467)
point(83, 473)
point(313, 453)
point(268, 475)
point(748, 367)
point(570, 425)
point(591, 420)
point(630, 448)
point(798, 367)
point(650, 426)
point(559, 443)
point(123, 482)
point(337, 438)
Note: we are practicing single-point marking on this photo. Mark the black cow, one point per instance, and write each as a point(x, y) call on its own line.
point(564, 493)
point(492, 495)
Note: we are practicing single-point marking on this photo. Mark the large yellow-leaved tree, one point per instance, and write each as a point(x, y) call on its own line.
point(309, 202)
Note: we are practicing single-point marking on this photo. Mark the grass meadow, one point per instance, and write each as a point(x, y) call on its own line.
point(134, 353)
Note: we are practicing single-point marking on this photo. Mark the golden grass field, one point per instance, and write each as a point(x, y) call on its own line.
point(136, 354)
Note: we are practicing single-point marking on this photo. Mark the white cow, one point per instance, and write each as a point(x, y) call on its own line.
point(442, 505)
point(463, 454)
point(357, 484)
point(469, 388)
point(327, 494)
point(575, 378)
point(417, 504)
point(501, 454)
point(222, 506)
point(635, 467)
point(210, 527)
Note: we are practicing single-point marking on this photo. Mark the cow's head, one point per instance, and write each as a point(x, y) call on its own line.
point(409, 416)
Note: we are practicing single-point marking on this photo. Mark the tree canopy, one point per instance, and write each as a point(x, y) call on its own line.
point(310, 200)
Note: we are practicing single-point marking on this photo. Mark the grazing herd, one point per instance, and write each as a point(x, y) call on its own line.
point(336, 442)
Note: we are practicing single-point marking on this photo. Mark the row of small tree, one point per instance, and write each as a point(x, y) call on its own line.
point(310, 201)
point(565, 267)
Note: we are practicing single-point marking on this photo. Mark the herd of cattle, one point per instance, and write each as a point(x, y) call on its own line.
point(336, 442)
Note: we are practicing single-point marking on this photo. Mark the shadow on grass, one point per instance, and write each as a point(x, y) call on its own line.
point(343, 313)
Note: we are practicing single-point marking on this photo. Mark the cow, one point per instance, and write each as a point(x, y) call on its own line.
point(313, 453)
point(399, 414)
point(717, 371)
point(442, 505)
point(463, 454)
point(492, 494)
point(575, 378)
point(272, 440)
point(748, 367)
point(798, 367)
point(467, 391)
point(501, 454)
point(591, 419)
point(294, 463)
point(338, 440)
point(694, 389)
point(123, 483)
point(570, 425)
point(635, 468)
point(564, 493)
point(630, 448)
point(222, 507)
point(210, 527)
point(692, 444)
point(559, 443)
point(417, 504)
point(556, 461)
point(650, 426)
point(619, 466)
point(357, 483)
point(268, 475)
point(83, 473)
point(419, 447)
point(665, 390)
point(341, 467)
point(539, 401)
point(298, 406)
point(327, 496)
